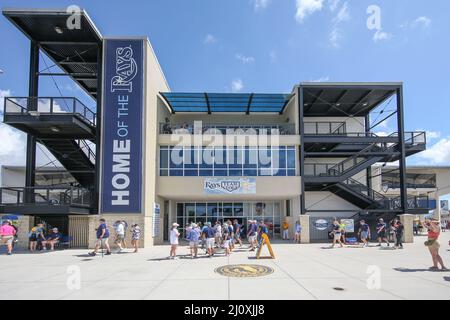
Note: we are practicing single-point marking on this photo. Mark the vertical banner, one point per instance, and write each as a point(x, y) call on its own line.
point(122, 126)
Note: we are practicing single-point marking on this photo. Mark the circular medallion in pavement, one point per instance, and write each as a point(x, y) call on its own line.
point(244, 270)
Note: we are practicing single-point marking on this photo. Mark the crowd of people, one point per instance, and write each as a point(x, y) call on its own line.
point(384, 233)
point(226, 236)
point(120, 232)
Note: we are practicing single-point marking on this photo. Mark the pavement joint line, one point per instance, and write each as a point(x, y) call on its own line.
point(295, 280)
point(357, 278)
point(164, 279)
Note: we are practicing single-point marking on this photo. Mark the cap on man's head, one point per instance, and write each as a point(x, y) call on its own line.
point(55, 229)
point(175, 224)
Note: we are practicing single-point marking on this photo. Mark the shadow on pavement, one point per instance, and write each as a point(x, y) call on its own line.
point(419, 270)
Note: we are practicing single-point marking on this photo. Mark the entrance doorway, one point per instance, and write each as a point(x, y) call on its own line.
point(50, 222)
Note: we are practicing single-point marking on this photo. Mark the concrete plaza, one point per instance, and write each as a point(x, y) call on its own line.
point(306, 271)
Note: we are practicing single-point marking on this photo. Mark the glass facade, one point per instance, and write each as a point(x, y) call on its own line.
point(269, 211)
point(224, 162)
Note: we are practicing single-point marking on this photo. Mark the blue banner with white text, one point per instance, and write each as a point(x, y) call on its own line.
point(122, 126)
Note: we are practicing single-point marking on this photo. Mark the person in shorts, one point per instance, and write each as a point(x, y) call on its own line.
point(364, 233)
point(7, 233)
point(36, 234)
point(226, 239)
point(193, 236)
point(52, 238)
point(251, 234)
point(102, 238)
point(297, 232)
point(135, 236)
point(174, 235)
point(285, 227)
point(218, 234)
point(237, 232)
point(337, 234)
point(381, 232)
point(209, 236)
point(433, 245)
point(119, 239)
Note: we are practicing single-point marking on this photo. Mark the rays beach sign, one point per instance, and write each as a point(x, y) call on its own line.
point(230, 186)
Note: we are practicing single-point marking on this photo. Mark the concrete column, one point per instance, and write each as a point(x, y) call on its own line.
point(407, 221)
point(304, 222)
point(24, 226)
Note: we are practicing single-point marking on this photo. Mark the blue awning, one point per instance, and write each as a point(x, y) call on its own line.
point(226, 102)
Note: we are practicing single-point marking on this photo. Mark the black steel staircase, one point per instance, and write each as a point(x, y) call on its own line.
point(63, 125)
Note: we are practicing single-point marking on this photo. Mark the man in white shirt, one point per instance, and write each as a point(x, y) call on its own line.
point(120, 234)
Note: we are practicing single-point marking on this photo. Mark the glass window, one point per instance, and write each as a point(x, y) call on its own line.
point(250, 158)
point(176, 158)
point(291, 159)
point(191, 158)
point(163, 172)
point(164, 158)
point(235, 172)
point(191, 172)
point(212, 211)
point(205, 173)
point(250, 172)
point(207, 157)
point(180, 211)
point(220, 157)
point(264, 156)
point(189, 210)
point(200, 210)
point(258, 210)
point(238, 209)
point(227, 210)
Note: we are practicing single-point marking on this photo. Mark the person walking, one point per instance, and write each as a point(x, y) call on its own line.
point(174, 235)
point(120, 235)
point(7, 233)
point(237, 232)
point(399, 228)
point(251, 234)
point(218, 234)
point(102, 238)
point(135, 237)
point(381, 232)
point(226, 239)
point(209, 235)
point(343, 232)
point(433, 230)
point(262, 229)
point(193, 236)
point(364, 233)
point(337, 234)
point(297, 232)
point(285, 227)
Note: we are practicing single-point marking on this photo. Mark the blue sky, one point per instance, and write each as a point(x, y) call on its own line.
point(269, 46)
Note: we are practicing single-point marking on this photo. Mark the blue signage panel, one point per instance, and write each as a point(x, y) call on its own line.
point(122, 126)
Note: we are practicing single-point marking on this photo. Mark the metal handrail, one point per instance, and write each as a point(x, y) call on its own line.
point(13, 105)
point(283, 129)
point(46, 196)
point(341, 127)
point(86, 149)
point(413, 202)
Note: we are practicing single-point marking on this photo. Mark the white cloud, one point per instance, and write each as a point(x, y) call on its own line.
point(260, 4)
point(437, 154)
point(209, 39)
point(336, 33)
point(333, 4)
point(245, 59)
point(307, 7)
point(335, 37)
point(343, 14)
point(380, 35)
point(321, 79)
point(422, 22)
point(237, 85)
